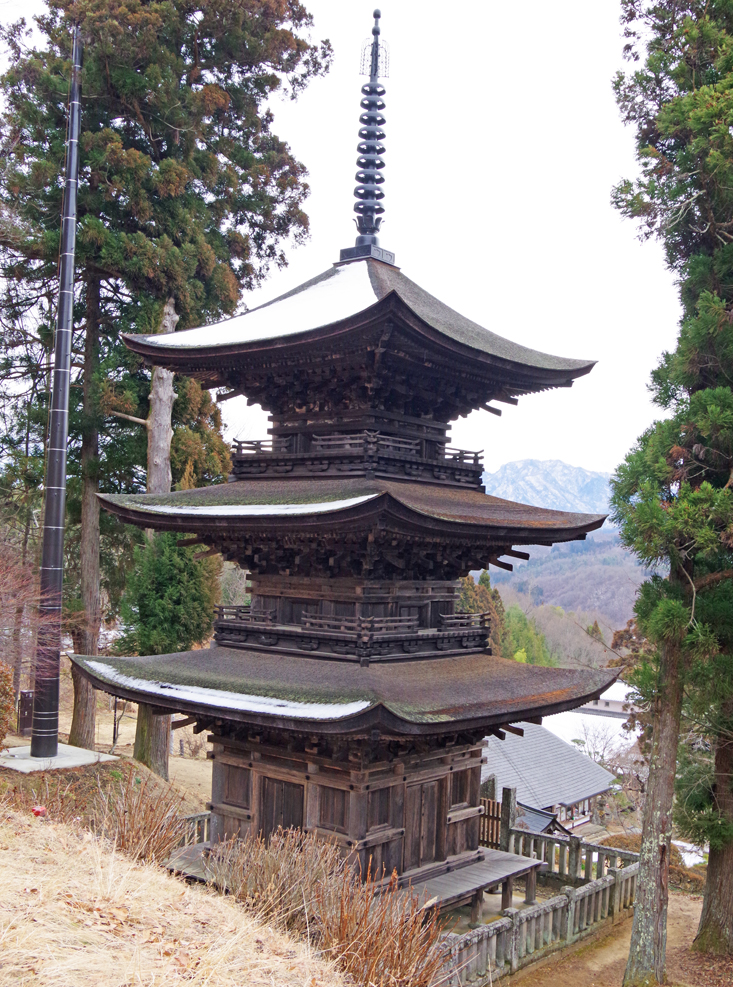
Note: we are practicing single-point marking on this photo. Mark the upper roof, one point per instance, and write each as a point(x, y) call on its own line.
point(544, 769)
point(334, 298)
point(294, 692)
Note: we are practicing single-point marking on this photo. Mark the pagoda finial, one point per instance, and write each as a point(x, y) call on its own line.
point(368, 193)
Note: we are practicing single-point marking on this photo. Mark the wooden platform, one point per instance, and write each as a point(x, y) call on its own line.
point(188, 861)
point(469, 883)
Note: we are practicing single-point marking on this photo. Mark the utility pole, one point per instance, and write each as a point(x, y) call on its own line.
point(45, 736)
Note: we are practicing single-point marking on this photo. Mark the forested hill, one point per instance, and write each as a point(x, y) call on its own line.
point(551, 483)
point(595, 576)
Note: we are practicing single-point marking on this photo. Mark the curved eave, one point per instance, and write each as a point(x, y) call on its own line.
point(384, 508)
point(377, 715)
point(215, 362)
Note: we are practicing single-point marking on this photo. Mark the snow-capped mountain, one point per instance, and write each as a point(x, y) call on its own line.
point(551, 483)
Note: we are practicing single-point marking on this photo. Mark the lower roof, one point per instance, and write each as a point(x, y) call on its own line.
point(300, 693)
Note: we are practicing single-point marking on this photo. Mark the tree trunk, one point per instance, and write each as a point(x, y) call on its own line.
point(715, 933)
point(160, 431)
point(645, 967)
point(152, 734)
point(152, 740)
point(84, 715)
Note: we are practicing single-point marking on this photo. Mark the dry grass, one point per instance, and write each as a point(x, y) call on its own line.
point(298, 882)
point(75, 913)
point(281, 879)
point(140, 818)
point(381, 940)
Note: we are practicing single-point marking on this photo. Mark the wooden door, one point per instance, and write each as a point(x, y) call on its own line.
point(282, 805)
point(421, 824)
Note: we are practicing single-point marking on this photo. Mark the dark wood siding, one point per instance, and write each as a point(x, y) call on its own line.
point(333, 809)
point(379, 808)
point(282, 805)
point(421, 824)
point(460, 788)
point(238, 786)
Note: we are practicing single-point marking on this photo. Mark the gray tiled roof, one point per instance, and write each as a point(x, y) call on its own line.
point(544, 769)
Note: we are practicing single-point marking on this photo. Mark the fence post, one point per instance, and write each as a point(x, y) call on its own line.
point(571, 894)
point(508, 816)
point(616, 899)
point(513, 914)
point(574, 857)
point(488, 788)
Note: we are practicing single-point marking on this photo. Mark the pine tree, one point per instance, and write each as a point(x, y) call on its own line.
point(673, 493)
point(184, 192)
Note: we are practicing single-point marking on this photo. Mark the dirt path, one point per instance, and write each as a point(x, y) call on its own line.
point(601, 963)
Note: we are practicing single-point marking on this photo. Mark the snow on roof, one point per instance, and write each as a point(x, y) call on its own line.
point(328, 299)
point(232, 700)
point(253, 510)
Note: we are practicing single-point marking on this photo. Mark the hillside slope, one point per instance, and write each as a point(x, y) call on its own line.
point(73, 911)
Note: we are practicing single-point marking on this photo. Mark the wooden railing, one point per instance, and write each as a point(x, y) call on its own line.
point(377, 626)
point(490, 824)
point(245, 614)
point(568, 857)
point(463, 456)
point(198, 829)
point(523, 936)
point(370, 443)
point(456, 621)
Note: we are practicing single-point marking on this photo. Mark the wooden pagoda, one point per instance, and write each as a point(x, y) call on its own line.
point(350, 697)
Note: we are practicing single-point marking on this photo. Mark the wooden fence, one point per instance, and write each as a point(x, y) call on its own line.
point(523, 936)
point(569, 858)
point(489, 834)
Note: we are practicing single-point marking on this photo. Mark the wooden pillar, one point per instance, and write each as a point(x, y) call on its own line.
point(477, 909)
point(507, 889)
point(508, 816)
point(531, 887)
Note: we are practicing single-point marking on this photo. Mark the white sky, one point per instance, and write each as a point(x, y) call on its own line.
point(503, 144)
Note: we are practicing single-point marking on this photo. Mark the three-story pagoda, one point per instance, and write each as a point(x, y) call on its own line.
point(351, 698)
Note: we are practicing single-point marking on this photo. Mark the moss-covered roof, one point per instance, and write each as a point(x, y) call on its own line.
point(404, 697)
point(248, 502)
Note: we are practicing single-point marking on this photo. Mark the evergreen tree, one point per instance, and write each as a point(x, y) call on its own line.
point(672, 495)
point(184, 192)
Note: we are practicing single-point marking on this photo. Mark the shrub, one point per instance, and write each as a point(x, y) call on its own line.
point(278, 879)
point(377, 935)
point(381, 935)
point(7, 701)
point(142, 819)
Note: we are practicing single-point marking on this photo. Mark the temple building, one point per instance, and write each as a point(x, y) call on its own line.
point(350, 698)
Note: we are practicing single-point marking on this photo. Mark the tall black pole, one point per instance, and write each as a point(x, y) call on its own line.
point(45, 738)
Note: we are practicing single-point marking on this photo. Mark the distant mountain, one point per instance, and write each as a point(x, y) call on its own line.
point(551, 483)
point(597, 577)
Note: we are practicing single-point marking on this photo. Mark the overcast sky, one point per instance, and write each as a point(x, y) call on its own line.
point(503, 144)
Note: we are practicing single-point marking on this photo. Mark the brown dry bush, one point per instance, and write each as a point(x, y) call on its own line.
point(143, 820)
point(7, 701)
point(381, 937)
point(278, 879)
point(61, 799)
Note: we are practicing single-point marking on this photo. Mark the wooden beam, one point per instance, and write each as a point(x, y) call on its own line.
point(513, 553)
point(505, 399)
point(183, 723)
point(517, 731)
point(502, 565)
point(493, 411)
